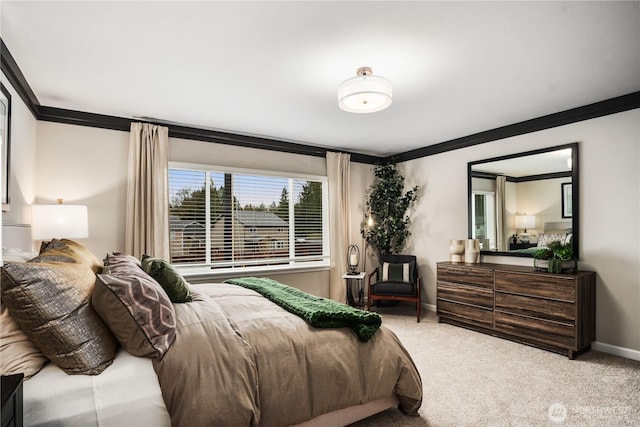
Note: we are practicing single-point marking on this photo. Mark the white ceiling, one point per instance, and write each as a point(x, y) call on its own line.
point(272, 68)
point(533, 164)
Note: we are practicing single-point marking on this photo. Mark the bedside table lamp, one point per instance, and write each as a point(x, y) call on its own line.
point(59, 221)
point(525, 221)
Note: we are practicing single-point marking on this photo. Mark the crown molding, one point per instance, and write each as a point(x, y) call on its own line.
point(10, 69)
point(603, 108)
point(598, 109)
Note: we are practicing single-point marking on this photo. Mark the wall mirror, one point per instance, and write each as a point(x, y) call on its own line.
point(521, 201)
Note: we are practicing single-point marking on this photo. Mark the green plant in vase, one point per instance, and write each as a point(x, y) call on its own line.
point(558, 256)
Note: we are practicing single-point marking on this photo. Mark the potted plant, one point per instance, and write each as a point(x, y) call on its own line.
point(556, 258)
point(387, 203)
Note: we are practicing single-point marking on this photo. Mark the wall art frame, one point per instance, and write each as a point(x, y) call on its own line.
point(5, 145)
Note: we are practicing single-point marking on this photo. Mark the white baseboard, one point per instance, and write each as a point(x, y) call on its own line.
point(616, 351)
point(429, 307)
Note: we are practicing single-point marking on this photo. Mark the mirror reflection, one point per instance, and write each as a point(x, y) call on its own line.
point(520, 202)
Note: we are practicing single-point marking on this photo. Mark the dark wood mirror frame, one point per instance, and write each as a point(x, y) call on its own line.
point(574, 195)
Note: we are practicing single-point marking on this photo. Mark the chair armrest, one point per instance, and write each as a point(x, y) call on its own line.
point(370, 275)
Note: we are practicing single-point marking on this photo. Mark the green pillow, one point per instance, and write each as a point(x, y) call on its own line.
point(169, 278)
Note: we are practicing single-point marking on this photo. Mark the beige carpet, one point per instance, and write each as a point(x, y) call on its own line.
point(472, 379)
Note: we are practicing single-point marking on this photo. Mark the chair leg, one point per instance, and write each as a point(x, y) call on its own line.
point(418, 309)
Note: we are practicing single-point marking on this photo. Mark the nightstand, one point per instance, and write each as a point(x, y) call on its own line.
point(359, 278)
point(12, 400)
point(514, 246)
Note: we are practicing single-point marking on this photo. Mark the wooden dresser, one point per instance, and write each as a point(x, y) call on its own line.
point(551, 311)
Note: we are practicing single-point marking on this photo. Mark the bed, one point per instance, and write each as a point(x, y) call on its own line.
point(552, 231)
point(234, 358)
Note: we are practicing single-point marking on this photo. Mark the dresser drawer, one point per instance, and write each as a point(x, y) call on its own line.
point(537, 285)
point(553, 333)
point(559, 311)
point(465, 313)
point(465, 294)
point(466, 275)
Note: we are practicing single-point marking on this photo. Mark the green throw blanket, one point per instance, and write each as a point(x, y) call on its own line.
point(316, 311)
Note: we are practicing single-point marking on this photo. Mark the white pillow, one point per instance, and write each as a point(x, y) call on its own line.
point(545, 238)
point(17, 255)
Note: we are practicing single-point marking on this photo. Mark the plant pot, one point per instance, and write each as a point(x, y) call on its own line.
point(555, 265)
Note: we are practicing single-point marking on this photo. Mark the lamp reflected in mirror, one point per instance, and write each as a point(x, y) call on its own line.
point(525, 221)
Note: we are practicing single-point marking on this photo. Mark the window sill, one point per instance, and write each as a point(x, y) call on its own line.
point(206, 274)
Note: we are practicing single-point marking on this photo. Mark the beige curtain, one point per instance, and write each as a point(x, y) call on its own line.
point(147, 221)
point(501, 213)
point(338, 177)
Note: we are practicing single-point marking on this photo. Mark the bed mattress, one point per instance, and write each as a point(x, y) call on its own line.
point(126, 393)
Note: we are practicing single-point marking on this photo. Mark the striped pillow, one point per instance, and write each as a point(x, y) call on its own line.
point(397, 272)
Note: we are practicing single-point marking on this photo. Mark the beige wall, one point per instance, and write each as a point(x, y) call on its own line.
point(609, 212)
point(88, 165)
point(23, 160)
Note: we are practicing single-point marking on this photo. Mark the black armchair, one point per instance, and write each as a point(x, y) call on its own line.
point(397, 279)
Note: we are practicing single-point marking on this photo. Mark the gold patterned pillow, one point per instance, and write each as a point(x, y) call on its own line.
point(66, 250)
point(50, 301)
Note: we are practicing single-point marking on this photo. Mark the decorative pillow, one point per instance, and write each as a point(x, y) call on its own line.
point(50, 303)
point(136, 308)
point(169, 278)
point(17, 255)
point(545, 238)
point(397, 272)
point(119, 263)
point(17, 353)
point(66, 250)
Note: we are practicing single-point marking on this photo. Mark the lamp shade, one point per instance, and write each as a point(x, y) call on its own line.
point(525, 221)
point(59, 221)
point(364, 93)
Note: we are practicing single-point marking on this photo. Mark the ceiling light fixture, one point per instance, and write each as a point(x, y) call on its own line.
point(365, 93)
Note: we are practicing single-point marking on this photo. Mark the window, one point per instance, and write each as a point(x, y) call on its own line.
point(483, 217)
point(227, 218)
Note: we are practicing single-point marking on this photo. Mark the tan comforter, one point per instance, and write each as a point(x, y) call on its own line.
point(241, 360)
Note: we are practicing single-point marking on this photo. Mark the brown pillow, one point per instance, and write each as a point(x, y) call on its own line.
point(51, 304)
point(135, 307)
point(66, 250)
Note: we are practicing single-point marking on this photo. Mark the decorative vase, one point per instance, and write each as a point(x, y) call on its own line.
point(555, 265)
point(456, 250)
point(551, 265)
point(472, 251)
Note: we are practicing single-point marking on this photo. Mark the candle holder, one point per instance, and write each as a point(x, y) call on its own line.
point(353, 258)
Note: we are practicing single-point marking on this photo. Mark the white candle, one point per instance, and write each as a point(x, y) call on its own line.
point(353, 259)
